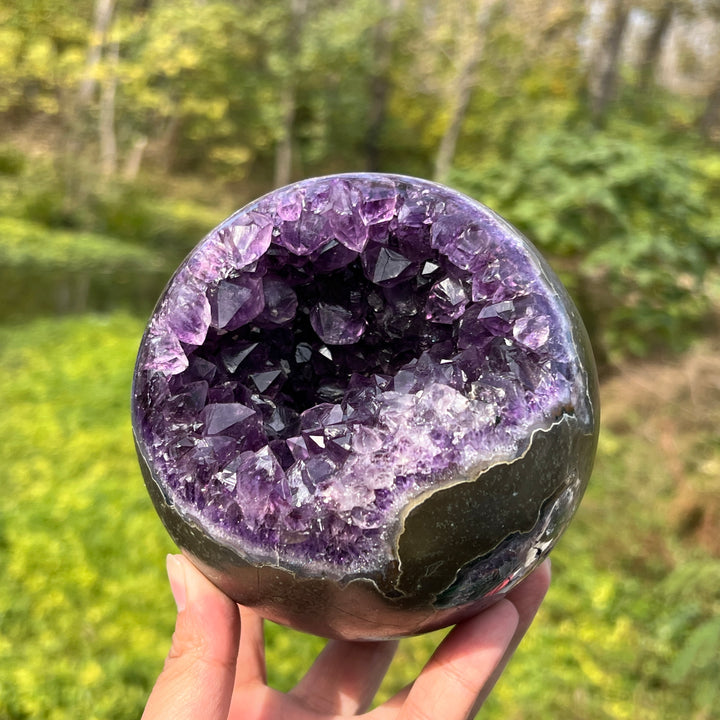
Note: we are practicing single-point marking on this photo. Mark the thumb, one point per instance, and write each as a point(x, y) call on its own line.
point(197, 679)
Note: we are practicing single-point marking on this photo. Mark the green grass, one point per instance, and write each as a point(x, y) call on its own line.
point(629, 629)
point(84, 614)
point(25, 244)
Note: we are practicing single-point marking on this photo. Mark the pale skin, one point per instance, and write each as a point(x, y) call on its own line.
point(215, 669)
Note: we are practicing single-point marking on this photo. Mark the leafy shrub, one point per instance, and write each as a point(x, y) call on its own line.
point(628, 223)
point(26, 245)
point(140, 213)
point(46, 270)
point(172, 226)
point(12, 161)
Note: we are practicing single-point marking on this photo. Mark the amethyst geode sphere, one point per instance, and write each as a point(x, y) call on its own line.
point(365, 406)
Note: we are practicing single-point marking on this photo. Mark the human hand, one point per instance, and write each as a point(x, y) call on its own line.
point(216, 666)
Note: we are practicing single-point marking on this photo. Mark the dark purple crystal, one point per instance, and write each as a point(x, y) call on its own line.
point(341, 349)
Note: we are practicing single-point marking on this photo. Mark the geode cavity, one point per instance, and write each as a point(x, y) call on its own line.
point(365, 406)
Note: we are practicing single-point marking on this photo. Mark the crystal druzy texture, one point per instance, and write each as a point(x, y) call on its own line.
point(364, 405)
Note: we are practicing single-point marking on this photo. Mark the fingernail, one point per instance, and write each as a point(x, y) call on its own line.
point(176, 575)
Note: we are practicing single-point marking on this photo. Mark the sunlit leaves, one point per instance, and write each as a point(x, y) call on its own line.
point(626, 218)
point(25, 245)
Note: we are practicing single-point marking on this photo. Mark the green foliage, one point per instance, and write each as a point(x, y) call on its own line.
point(78, 535)
point(26, 245)
point(208, 93)
point(628, 215)
point(42, 49)
point(629, 628)
point(12, 161)
point(628, 222)
point(158, 228)
point(116, 251)
point(46, 270)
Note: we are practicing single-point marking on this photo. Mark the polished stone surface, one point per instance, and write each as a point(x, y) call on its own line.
point(346, 349)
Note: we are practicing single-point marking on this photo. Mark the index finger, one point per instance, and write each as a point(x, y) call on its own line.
point(449, 685)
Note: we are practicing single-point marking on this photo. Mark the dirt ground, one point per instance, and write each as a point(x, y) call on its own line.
point(675, 406)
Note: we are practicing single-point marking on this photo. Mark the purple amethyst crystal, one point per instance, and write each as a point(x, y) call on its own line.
point(365, 406)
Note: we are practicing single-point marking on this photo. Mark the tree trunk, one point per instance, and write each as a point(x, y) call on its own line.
point(76, 115)
point(654, 46)
point(169, 139)
point(284, 147)
point(710, 119)
point(134, 159)
point(102, 16)
point(604, 69)
point(108, 142)
point(380, 84)
point(461, 91)
point(288, 101)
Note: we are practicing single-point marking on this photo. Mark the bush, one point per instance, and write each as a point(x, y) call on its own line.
point(628, 223)
point(142, 213)
point(172, 226)
point(28, 246)
point(46, 270)
point(12, 161)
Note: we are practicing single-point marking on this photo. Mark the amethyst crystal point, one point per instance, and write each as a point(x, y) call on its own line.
point(365, 406)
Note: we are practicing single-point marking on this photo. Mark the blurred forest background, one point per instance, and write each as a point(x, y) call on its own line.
point(129, 128)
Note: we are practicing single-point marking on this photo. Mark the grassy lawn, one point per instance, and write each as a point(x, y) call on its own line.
point(630, 629)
